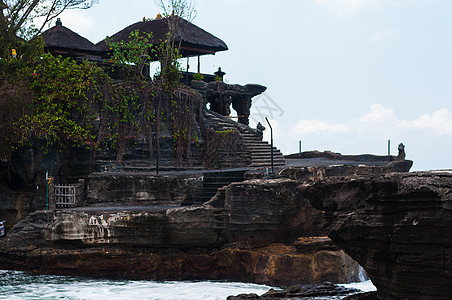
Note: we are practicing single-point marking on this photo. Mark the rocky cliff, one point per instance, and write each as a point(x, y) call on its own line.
point(397, 226)
point(249, 232)
point(133, 226)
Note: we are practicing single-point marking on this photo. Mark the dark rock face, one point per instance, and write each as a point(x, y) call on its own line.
point(339, 156)
point(319, 173)
point(22, 182)
point(221, 95)
point(363, 296)
point(257, 213)
point(138, 189)
point(397, 226)
point(275, 265)
point(247, 232)
point(299, 292)
point(263, 210)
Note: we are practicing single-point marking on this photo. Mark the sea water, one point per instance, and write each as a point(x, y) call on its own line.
point(21, 285)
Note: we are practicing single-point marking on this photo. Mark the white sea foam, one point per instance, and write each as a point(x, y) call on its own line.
point(364, 286)
point(20, 285)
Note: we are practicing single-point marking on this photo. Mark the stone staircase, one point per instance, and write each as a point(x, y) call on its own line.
point(219, 123)
point(217, 179)
point(253, 152)
point(260, 150)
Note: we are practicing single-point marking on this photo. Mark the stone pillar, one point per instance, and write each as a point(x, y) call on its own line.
point(220, 104)
point(81, 183)
point(242, 106)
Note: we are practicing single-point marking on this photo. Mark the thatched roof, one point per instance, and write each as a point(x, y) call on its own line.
point(60, 37)
point(194, 40)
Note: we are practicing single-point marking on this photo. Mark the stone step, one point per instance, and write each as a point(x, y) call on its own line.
point(264, 149)
point(265, 154)
point(260, 150)
point(258, 144)
point(215, 180)
point(250, 136)
point(267, 158)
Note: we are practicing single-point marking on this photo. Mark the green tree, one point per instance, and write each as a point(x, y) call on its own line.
point(16, 19)
point(51, 99)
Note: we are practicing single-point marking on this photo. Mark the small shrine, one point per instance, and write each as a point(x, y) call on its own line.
point(60, 40)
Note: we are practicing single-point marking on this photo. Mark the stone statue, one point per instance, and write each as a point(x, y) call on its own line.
point(260, 130)
point(402, 154)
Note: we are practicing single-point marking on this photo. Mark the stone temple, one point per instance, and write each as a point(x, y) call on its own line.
point(218, 96)
point(235, 210)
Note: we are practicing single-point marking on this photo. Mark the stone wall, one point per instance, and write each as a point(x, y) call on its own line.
point(105, 188)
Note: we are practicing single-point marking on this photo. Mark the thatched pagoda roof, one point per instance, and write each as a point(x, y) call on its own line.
point(62, 38)
point(194, 41)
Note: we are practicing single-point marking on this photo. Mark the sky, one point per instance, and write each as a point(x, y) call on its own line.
point(341, 75)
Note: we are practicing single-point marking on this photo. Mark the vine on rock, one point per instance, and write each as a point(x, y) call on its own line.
point(220, 148)
point(69, 103)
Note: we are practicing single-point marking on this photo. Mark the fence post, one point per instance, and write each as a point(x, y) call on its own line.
point(389, 149)
point(52, 194)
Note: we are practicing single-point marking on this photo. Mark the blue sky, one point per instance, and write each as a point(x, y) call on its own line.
point(342, 75)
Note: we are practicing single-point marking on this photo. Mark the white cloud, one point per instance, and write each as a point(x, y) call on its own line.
point(305, 127)
point(379, 122)
point(427, 137)
point(440, 122)
point(384, 35)
point(378, 113)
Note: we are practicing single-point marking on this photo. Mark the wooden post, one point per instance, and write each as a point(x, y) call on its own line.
point(199, 64)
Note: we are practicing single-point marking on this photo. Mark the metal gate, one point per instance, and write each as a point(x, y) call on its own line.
point(67, 195)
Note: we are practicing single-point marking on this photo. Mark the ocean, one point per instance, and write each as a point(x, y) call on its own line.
point(22, 285)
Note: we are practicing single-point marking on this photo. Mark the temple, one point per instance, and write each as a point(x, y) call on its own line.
point(217, 96)
point(60, 40)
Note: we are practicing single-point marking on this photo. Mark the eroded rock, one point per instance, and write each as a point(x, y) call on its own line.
point(397, 226)
point(245, 233)
point(299, 292)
